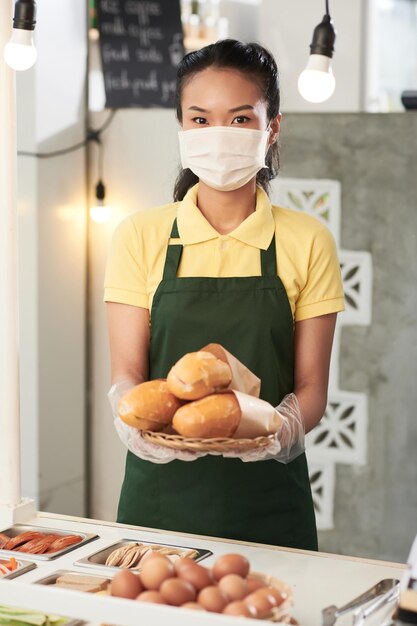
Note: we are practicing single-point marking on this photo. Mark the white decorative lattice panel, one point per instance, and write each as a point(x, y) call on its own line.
point(340, 436)
point(320, 198)
point(356, 268)
point(322, 480)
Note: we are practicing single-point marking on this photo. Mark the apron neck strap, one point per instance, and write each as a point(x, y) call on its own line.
point(269, 260)
point(173, 257)
point(174, 252)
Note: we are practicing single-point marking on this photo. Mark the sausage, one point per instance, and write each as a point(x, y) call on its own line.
point(38, 545)
point(3, 540)
point(64, 542)
point(19, 540)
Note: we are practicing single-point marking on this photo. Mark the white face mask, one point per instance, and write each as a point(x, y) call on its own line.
point(224, 158)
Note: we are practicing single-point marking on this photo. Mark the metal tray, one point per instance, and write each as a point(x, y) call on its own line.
point(24, 566)
point(98, 559)
point(22, 528)
point(51, 578)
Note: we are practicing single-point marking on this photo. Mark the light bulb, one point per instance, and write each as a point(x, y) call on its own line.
point(100, 213)
point(20, 53)
point(316, 83)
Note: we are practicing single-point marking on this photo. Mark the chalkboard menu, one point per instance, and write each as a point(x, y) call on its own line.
point(141, 44)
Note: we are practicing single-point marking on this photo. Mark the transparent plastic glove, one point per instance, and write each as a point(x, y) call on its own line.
point(129, 436)
point(292, 433)
point(118, 390)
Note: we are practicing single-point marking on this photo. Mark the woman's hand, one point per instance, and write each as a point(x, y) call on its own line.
point(313, 346)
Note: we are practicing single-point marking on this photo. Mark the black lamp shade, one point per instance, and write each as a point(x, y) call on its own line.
point(324, 36)
point(100, 191)
point(25, 15)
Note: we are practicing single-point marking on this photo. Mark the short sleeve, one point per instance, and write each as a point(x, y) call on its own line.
point(125, 278)
point(322, 292)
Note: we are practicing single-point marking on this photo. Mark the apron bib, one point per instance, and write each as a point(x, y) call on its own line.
point(263, 501)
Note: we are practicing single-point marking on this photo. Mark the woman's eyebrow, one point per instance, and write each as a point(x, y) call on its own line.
point(242, 107)
point(199, 109)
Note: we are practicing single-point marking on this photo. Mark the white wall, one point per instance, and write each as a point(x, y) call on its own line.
point(52, 255)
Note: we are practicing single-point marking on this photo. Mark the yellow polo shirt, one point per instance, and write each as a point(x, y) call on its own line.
point(306, 254)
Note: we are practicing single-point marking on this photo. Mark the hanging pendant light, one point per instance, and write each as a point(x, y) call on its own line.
point(317, 83)
point(20, 53)
point(100, 212)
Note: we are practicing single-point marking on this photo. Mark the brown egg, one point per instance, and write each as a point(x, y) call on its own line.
point(197, 575)
point(234, 587)
point(184, 562)
point(275, 597)
point(193, 605)
point(259, 602)
point(239, 608)
point(151, 596)
point(177, 592)
point(155, 571)
point(125, 584)
point(254, 584)
point(231, 564)
point(212, 599)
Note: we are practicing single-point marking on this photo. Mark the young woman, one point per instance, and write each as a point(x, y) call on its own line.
point(221, 264)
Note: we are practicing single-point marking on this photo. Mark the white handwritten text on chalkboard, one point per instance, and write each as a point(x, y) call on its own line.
point(141, 45)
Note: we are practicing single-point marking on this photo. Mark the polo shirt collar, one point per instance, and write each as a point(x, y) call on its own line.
point(256, 230)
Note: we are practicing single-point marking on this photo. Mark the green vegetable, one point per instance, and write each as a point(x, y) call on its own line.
point(22, 617)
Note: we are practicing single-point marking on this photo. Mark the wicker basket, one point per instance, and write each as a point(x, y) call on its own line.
point(220, 444)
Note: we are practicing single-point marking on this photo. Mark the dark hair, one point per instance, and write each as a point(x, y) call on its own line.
point(251, 59)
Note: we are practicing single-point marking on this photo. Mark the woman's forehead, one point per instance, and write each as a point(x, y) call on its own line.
point(229, 87)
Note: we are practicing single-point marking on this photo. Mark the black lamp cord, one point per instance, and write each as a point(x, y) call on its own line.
point(327, 7)
point(93, 134)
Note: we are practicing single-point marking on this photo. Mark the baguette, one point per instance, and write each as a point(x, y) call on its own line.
point(198, 374)
point(217, 415)
point(148, 406)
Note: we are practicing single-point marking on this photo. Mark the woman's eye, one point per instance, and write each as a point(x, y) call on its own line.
point(200, 120)
point(240, 119)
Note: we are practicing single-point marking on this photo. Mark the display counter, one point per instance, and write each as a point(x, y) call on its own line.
point(317, 579)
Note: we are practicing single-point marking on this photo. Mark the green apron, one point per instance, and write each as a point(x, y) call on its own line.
point(263, 501)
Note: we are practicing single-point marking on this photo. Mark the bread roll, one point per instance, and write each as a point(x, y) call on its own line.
point(198, 374)
point(217, 350)
point(148, 406)
point(217, 415)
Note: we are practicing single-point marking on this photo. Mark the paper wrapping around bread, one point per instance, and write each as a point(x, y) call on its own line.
point(243, 379)
point(258, 419)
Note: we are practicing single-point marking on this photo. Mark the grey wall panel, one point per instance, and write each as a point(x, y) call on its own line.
point(374, 157)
